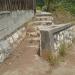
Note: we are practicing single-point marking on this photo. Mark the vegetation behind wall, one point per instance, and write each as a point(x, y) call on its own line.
point(52, 5)
point(63, 10)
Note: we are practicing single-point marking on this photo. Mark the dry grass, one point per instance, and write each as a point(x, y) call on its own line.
point(62, 16)
point(62, 49)
point(50, 57)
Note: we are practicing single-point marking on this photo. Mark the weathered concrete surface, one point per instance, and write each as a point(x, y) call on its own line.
point(10, 22)
point(43, 18)
point(45, 41)
point(53, 36)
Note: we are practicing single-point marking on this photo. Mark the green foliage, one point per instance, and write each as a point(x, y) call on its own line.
point(40, 3)
point(52, 5)
point(38, 8)
point(69, 5)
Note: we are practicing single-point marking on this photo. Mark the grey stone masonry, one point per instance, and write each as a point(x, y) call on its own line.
point(43, 18)
point(53, 36)
point(12, 30)
point(11, 21)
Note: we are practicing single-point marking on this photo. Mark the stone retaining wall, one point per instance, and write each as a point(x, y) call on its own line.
point(12, 30)
point(53, 36)
point(8, 44)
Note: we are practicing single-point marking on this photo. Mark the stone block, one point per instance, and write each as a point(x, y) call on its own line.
point(53, 36)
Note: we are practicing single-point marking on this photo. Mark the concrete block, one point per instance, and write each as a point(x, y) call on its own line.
point(53, 36)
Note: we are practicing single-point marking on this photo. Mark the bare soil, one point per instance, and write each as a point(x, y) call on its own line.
point(24, 60)
point(67, 67)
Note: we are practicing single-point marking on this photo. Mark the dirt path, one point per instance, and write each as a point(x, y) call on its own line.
point(24, 61)
point(68, 66)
